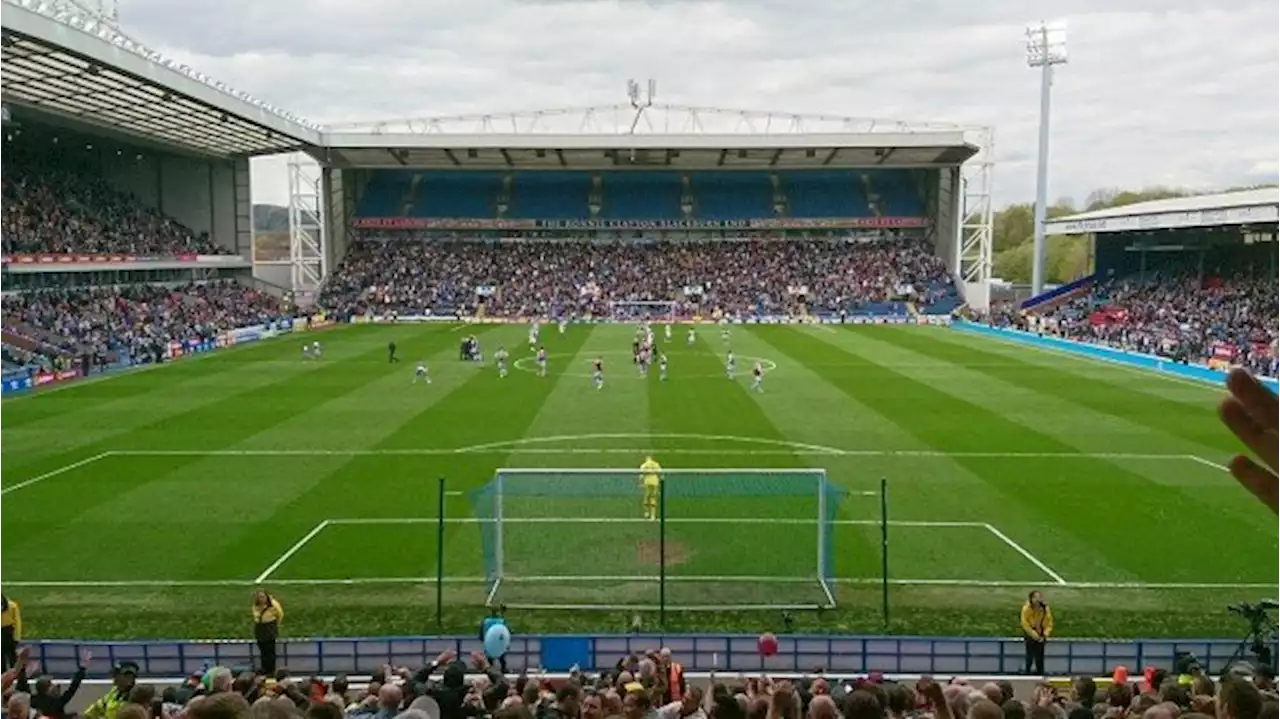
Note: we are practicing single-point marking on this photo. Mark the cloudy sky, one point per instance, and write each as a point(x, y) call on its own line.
point(1158, 92)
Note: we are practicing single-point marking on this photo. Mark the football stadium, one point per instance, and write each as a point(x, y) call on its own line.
point(636, 376)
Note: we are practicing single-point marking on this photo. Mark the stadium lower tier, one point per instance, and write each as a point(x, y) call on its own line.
point(416, 276)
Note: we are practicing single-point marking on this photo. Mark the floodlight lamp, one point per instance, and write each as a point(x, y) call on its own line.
point(1046, 43)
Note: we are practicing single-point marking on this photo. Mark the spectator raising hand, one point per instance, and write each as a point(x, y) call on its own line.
point(1250, 412)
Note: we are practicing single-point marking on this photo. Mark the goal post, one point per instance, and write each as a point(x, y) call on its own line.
point(723, 539)
point(643, 311)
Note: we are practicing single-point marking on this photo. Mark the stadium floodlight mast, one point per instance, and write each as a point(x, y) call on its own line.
point(633, 94)
point(1046, 47)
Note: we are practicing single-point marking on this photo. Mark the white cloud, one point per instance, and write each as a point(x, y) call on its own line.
point(1176, 92)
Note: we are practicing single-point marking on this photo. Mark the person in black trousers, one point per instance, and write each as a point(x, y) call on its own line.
point(391, 352)
point(10, 632)
point(1037, 625)
point(267, 615)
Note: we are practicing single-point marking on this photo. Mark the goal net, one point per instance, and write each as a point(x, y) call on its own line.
point(643, 311)
point(723, 539)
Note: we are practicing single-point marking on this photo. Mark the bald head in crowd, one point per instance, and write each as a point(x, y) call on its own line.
point(822, 706)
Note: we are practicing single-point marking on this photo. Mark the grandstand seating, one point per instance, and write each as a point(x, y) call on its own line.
point(643, 195)
point(421, 274)
point(1175, 311)
point(471, 194)
point(133, 322)
point(48, 208)
point(732, 195)
point(549, 195)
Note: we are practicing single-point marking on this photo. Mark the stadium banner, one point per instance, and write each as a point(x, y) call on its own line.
point(70, 259)
point(934, 320)
point(40, 379)
point(486, 290)
point(780, 223)
point(380, 319)
point(34, 263)
point(877, 320)
point(247, 334)
point(1163, 365)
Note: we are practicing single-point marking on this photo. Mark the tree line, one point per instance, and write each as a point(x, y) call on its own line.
point(1066, 257)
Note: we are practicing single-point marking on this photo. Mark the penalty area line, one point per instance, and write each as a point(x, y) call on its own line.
point(1208, 463)
point(291, 551)
point(1057, 578)
point(61, 470)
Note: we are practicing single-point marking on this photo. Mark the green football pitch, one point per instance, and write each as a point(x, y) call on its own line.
point(151, 503)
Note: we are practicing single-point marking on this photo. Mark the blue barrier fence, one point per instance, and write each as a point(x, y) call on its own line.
point(942, 656)
point(1163, 365)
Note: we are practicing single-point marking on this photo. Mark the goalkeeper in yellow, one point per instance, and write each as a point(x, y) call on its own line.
point(651, 480)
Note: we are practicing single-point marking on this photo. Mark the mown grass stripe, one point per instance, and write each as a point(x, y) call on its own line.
point(1094, 501)
point(1164, 415)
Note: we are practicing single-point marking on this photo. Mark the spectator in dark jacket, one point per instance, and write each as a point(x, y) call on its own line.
point(48, 698)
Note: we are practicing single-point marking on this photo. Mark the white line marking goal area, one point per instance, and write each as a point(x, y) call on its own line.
point(560, 521)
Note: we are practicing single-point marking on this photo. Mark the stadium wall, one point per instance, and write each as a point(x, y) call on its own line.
point(1162, 365)
point(202, 194)
point(276, 273)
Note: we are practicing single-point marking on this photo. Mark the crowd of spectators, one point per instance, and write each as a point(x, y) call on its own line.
point(638, 687)
point(1182, 317)
point(418, 275)
point(136, 321)
point(48, 210)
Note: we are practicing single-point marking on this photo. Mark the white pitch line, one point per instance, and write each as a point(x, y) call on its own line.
point(852, 581)
point(478, 449)
point(55, 473)
point(291, 551)
point(634, 520)
point(1030, 557)
point(1208, 463)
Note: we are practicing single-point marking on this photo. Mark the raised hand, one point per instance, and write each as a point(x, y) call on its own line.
point(1251, 413)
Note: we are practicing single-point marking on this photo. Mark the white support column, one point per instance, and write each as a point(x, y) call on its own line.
point(308, 258)
point(975, 222)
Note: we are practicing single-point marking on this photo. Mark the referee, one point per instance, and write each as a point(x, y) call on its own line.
point(10, 632)
point(391, 352)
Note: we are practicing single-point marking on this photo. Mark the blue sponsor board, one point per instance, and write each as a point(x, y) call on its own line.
point(14, 381)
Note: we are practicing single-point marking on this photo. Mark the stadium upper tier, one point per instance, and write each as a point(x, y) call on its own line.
point(644, 195)
point(52, 204)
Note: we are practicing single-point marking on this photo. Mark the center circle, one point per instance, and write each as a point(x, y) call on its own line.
point(529, 364)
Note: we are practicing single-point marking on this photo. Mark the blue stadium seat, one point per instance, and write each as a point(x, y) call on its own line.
point(457, 194)
point(641, 196)
point(550, 195)
point(825, 194)
point(732, 195)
